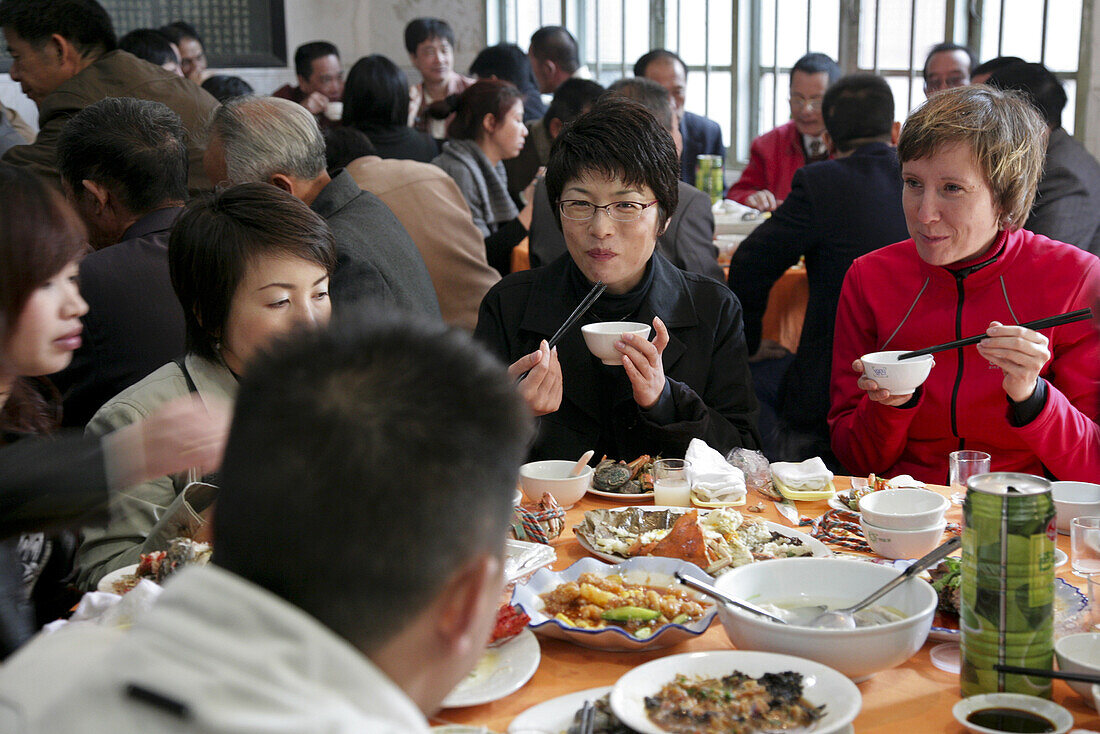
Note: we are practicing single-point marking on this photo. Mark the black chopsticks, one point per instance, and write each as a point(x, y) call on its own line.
point(1044, 673)
point(1060, 320)
point(580, 310)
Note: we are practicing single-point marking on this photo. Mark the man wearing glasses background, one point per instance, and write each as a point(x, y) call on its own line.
point(776, 155)
point(947, 65)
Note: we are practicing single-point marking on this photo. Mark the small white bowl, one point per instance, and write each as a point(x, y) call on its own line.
point(1062, 719)
point(601, 337)
point(1074, 499)
point(1096, 696)
point(900, 378)
point(890, 543)
point(904, 509)
point(1079, 653)
point(552, 476)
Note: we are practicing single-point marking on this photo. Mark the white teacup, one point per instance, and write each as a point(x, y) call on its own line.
point(899, 377)
point(601, 337)
point(334, 111)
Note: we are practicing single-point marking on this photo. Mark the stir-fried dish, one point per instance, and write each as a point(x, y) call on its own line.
point(594, 602)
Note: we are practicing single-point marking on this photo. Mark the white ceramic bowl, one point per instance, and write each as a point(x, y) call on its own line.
point(601, 337)
point(858, 653)
point(904, 509)
point(1079, 653)
point(1096, 697)
point(1062, 719)
point(890, 543)
point(1074, 499)
point(552, 476)
point(900, 378)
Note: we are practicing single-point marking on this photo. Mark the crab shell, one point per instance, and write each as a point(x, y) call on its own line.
point(610, 475)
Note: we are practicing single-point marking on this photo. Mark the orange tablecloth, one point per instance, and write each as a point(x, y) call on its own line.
point(786, 309)
point(913, 698)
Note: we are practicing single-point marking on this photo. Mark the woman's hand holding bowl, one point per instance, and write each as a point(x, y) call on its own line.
point(1020, 353)
point(874, 392)
point(642, 362)
point(541, 389)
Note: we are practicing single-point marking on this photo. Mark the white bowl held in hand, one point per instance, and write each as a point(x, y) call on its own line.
point(1079, 653)
point(601, 337)
point(904, 509)
point(1074, 499)
point(552, 476)
point(890, 543)
point(899, 377)
point(786, 582)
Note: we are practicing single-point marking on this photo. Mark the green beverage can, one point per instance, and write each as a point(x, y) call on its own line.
point(1007, 589)
point(708, 176)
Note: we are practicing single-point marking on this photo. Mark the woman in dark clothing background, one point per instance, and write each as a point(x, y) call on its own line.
point(508, 62)
point(376, 102)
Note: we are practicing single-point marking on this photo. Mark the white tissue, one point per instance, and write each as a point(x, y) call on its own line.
point(803, 475)
point(713, 479)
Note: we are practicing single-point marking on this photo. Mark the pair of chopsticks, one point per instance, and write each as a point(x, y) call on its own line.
point(588, 718)
point(1044, 673)
point(1060, 320)
point(580, 310)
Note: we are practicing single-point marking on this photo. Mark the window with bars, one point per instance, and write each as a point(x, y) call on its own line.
point(739, 52)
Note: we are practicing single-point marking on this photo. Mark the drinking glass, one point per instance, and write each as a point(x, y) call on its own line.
point(1084, 534)
point(961, 466)
point(671, 484)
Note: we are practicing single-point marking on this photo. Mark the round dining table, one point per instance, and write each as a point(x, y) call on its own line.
point(913, 697)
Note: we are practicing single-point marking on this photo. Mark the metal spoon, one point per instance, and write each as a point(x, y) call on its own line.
point(711, 591)
point(844, 619)
point(581, 463)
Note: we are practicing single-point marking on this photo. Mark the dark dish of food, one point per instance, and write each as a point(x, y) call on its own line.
point(623, 478)
point(594, 602)
point(605, 721)
point(946, 578)
point(735, 704)
point(1011, 720)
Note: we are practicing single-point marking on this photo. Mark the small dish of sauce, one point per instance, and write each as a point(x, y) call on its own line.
point(1011, 720)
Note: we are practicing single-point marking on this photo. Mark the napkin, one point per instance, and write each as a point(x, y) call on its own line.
point(713, 479)
point(804, 475)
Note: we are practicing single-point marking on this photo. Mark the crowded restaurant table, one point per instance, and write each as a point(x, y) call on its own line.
point(915, 696)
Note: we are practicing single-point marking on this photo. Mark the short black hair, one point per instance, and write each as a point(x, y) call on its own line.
point(656, 54)
point(148, 44)
point(376, 93)
point(618, 138)
point(307, 53)
point(219, 234)
point(344, 144)
point(993, 64)
point(425, 29)
point(367, 463)
point(648, 94)
point(858, 107)
point(947, 46)
point(225, 86)
point(1038, 83)
point(179, 30)
point(572, 99)
point(505, 61)
point(554, 43)
point(83, 23)
point(137, 148)
point(817, 63)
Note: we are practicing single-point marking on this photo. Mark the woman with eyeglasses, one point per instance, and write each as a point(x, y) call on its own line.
point(613, 176)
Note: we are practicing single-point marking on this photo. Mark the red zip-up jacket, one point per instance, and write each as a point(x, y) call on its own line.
point(891, 299)
point(773, 159)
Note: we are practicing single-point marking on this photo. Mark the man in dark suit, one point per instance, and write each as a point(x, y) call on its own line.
point(1067, 204)
point(837, 210)
point(702, 136)
point(123, 164)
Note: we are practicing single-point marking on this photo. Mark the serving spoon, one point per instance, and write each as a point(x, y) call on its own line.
point(722, 596)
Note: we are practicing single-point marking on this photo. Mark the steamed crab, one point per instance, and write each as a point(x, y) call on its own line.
point(623, 478)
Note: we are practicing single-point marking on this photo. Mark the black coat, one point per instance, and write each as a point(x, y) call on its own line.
point(705, 363)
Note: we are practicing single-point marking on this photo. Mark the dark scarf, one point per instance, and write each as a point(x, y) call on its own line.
point(610, 306)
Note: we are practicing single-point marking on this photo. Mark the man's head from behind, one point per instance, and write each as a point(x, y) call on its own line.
point(120, 159)
point(368, 478)
point(51, 41)
point(153, 46)
point(317, 65)
point(947, 65)
point(668, 70)
point(656, 99)
point(859, 109)
point(1039, 84)
point(571, 100)
point(811, 75)
point(554, 57)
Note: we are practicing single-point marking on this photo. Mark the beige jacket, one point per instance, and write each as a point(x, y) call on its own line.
point(429, 205)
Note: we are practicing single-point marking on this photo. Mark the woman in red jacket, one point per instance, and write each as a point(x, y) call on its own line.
point(971, 158)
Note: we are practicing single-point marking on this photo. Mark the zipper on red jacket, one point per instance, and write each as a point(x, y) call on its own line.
point(959, 278)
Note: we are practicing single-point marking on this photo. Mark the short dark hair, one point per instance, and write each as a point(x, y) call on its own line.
point(431, 435)
point(554, 43)
point(656, 54)
point(858, 107)
point(618, 138)
point(425, 29)
point(484, 97)
point(83, 23)
point(648, 94)
point(179, 30)
point(307, 53)
point(376, 93)
point(148, 44)
point(135, 147)
point(219, 234)
point(947, 46)
point(817, 63)
point(224, 87)
point(505, 61)
point(997, 62)
point(344, 144)
point(572, 99)
point(1039, 84)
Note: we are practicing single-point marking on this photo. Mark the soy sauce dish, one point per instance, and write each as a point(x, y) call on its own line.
point(997, 713)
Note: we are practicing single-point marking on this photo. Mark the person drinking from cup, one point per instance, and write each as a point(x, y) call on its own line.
point(970, 161)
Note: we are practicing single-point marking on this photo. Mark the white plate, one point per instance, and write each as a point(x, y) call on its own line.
point(500, 672)
point(1060, 558)
point(623, 497)
point(107, 583)
point(556, 715)
point(819, 549)
point(1062, 719)
point(821, 684)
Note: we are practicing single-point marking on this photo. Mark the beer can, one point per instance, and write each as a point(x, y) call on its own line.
point(1007, 591)
point(708, 176)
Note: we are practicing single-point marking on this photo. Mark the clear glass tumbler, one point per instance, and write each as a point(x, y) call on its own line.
point(961, 466)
